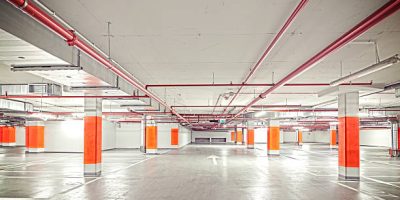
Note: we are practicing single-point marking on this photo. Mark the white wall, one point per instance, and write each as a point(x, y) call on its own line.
point(208, 134)
point(260, 135)
point(67, 136)
point(185, 136)
point(20, 135)
point(128, 135)
point(376, 137)
point(289, 136)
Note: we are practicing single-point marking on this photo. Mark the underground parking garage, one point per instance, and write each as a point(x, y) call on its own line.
point(275, 99)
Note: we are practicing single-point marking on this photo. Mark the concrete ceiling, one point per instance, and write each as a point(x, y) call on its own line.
point(189, 41)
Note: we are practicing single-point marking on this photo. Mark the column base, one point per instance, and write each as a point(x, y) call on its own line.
point(273, 152)
point(92, 169)
point(9, 144)
point(35, 150)
point(349, 173)
point(250, 146)
point(332, 146)
point(151, 151)
point(174, 146)
point(300, 143)
point(239, 143)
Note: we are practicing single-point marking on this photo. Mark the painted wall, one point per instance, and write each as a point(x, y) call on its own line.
point(128, 135)
point(208, 134)
point(376, 137)
point(67, 136)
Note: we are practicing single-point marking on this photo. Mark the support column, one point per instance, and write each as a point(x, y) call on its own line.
point(395, 131)
point(250, 138)
point(34, 136)
point(299, 137)
point(151, 137)
point(8, 136)
point(333, 136)
point(92, 137)
point(1, 135)
point(233, 136)
point(239, 136)
point(175, 137)
point(349, 142)
point(273, 138)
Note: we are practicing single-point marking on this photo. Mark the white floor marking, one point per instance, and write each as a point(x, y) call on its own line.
point(214, 159)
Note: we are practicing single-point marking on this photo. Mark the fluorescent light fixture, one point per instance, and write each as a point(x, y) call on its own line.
point(298, 127)
point(260, 113)
point(368, 70)
point(29, 68)
point(305, 129)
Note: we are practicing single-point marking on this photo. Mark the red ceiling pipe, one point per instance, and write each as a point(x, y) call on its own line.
point(72, 40)
point(380, 14)
point(278, 36)
point(255, 106)
point(68, 97)
point(250, 85)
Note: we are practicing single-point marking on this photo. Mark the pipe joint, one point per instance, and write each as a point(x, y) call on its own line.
point(24, 5)
point(72, 41)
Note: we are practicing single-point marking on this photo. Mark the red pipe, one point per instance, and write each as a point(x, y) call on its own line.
point(278, 36)
point(380, 14)
point(72, 40)
point(249, 85)
point(67, 97)
point(255, 106)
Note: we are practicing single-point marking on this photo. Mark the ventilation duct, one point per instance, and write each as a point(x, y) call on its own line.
point(43, 89)
point(10, 105)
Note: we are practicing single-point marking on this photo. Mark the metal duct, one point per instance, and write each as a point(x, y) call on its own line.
point(43, 89)
point(10, 105)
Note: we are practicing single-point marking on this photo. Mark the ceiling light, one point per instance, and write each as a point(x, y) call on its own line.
point(260, 113)
point(368, 70)
point(24, 68)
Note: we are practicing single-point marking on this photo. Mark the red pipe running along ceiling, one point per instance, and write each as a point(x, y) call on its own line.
point(68, 97)
point(72, 40)
point(380, 14)
point(278, 36)
point(250, 85)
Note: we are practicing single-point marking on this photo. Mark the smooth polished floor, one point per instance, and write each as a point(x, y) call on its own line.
point(200, 172)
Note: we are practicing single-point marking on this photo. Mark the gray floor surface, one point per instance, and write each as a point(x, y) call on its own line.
point(200, 172)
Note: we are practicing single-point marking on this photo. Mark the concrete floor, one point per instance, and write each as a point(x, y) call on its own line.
point(308, 172)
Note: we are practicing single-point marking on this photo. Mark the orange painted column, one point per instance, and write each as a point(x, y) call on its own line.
point(349, 145)
point(233, 136)
point(151, 137)
point(1, 135)
point(92, 137)
point(250, 138)
point(8, 136)
point(273, 138)
point(34, 136)
point(299, 137)
point(239, 136)
point(333, 136)
point(175, 137)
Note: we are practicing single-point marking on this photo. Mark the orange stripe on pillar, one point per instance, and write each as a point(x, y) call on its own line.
point(233, 136)
point(151, 139)
point(239, 137)
point(175, 136)
point(349, 154)
point(1, 135)
point(34, 137)
point(300, 137)
point(93, 136)
point(333, 138)
point(273, 139)
point(8, 136)
point(250, 138)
